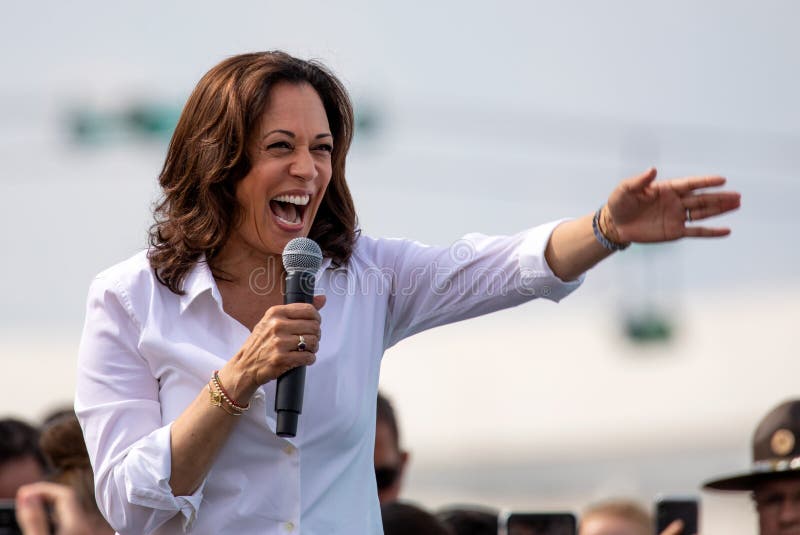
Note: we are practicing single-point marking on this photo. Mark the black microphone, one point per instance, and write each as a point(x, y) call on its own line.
point(302, 258)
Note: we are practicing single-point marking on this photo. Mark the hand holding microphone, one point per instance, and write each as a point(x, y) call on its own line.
point(284, 341)
point(302, 259)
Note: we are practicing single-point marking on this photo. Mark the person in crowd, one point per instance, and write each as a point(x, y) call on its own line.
point(38, 504)
point(472, 520)
point(390, 458)
point(21, 460)
point(183, 343)
point(400, 518)
point(774, 477)
point(70, 491)
point(616, 517)
point(57, 413)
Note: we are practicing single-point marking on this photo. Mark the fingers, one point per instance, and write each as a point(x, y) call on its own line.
point(685, 186)
point(288, 335)
point(275, 363)
point(273, 347)
point(291, 342)
point(296, 311)
point(706, 232)
point(711, 204)
point(31, 514)
point(675, 528)
point(297, 327)
point(681, 186)
point(639, 182)
point(293, 319)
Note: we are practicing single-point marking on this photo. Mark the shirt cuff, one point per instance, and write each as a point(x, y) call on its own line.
point(536, 275)
point(147, 472)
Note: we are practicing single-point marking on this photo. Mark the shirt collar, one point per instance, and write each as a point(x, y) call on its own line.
point(326, 263)
point(200, 280)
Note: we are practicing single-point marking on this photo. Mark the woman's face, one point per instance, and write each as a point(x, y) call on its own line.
point(291, 168)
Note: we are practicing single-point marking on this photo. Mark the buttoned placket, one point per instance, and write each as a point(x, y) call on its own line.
point(292, 455)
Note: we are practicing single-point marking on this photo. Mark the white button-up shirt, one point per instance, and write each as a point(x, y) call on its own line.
point(147, 352)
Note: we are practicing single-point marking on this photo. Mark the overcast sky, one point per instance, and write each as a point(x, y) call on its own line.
point(490, 117)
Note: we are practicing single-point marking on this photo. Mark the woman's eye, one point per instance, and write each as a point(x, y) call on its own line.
point(279, 145)
point(325, 147)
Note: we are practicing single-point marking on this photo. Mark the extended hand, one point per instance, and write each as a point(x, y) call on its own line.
point(641, 210)
point(32, 517)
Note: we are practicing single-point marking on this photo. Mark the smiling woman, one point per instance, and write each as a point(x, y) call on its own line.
point(223, 136)
point(295, 143)
point(182, 343)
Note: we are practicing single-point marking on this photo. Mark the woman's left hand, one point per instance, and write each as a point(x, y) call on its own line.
point(641, 210)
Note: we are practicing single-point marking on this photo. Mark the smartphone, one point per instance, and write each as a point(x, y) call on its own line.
point(516, 523)
point(671, 508)
point(8, 518)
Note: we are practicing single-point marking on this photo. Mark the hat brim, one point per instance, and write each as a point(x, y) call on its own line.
point(749, 480)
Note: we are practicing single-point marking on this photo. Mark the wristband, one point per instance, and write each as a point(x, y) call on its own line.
point(601, 238)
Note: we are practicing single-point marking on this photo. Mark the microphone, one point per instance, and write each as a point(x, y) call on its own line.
point(302, 258)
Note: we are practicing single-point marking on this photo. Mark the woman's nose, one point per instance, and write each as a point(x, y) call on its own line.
point(303, 165)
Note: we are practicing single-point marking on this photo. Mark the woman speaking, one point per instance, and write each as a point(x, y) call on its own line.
point(183, 342)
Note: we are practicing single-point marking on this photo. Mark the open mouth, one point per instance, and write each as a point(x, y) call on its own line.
point(289, 209)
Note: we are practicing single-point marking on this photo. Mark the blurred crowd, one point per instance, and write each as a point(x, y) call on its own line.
point(46, 486)
point(46, 477)
point(773, 481)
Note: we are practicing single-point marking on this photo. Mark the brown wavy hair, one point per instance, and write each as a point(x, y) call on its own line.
point(63, 446)
point(208, 156)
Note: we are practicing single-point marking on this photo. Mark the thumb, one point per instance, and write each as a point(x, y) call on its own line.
point(675, 528)
point(319, 301)
point(641, 181)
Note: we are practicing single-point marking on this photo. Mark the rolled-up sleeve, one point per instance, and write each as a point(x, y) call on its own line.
point(476, 275)
point(118, 406)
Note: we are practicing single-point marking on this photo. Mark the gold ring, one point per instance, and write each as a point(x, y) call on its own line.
point(688, 215)
point(301, 345)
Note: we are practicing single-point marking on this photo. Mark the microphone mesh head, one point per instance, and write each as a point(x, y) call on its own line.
point(302, 254)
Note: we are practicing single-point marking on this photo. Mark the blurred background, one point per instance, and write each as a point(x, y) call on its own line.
point(487, 117)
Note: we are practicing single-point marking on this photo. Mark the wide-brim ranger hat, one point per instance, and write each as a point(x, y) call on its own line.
point(776, 450)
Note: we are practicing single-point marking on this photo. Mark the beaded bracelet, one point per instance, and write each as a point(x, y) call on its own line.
point(601, 238)
point(225, 396)
point(217, 401)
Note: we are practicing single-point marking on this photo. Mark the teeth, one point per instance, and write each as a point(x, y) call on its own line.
point(300, 200)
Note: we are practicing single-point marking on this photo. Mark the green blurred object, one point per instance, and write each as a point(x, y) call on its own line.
point(137, 121)
point(153, 120)
point(90, 127)
point(648, 327)
point(367, 121)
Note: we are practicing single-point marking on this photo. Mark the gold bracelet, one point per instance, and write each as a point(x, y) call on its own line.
point(225, 396)
point(216, 399)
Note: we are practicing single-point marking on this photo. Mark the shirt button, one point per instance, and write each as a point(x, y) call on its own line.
point(288, 449)
point(289, 526)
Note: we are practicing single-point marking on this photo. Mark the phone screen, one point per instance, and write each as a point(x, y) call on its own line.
point(670, 509)
point(541, 524)
point(8, 518)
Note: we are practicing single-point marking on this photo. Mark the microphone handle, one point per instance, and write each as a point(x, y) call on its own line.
point(290, 387)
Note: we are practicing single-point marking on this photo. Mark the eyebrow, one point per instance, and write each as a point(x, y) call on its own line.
point(292, 134)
